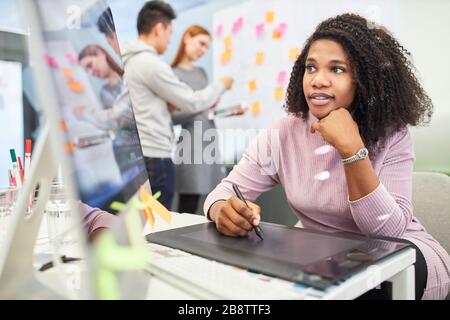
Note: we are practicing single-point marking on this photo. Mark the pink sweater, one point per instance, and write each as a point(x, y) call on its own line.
point(313, 179)
point(94, 218)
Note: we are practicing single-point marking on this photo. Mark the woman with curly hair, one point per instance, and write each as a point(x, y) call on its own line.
point(344, 155)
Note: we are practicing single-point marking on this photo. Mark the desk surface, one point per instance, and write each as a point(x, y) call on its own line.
point(398, 269)
point(385, 270)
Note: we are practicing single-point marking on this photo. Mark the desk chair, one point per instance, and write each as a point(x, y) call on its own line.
point(431, 203)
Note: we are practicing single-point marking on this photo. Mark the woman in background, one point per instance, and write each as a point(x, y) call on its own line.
point(99, 63)
point(193, 180)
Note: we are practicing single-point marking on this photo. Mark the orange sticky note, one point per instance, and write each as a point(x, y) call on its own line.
point(294, 53)
point(278, 94)
point(276, 34)
point(228, 42)
point(69, 147)
point(256, 107)
point(148, 214)
point(270, 16)
point(259, 58)
point(75, 86)
point(67, 72)
point(63, 125)
point(226, 56)
point(160, 209)
point(252, 86)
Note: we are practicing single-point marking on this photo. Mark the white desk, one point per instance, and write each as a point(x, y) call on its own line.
point(398, 269)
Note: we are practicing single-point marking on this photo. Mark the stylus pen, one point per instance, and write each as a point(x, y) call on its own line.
point(258, 229)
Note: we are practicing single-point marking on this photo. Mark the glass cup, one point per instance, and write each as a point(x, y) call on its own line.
point(8, 197)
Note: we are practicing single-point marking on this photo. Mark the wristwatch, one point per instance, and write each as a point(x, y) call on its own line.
point(360, 154)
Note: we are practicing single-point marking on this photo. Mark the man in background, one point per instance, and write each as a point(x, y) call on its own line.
point(153, 85)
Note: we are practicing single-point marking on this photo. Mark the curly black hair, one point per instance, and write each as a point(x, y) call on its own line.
point(388, 96)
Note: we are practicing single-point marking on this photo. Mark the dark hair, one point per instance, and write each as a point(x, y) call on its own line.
point(153, 12)
point(388, 96)
point(105, 23)
point(94, 50)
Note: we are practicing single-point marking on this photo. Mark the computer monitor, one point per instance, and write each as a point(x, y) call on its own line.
point(95, 108)
point(89, 119)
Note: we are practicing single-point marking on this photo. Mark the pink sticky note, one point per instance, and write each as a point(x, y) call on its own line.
point(282, 28)
point(260, 29)
point(219, 30)
point(71, 58)
point(281, 77)
point(237, 25)
point(51, 61)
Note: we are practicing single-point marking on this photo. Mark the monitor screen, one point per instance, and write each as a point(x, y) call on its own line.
point(96, 114)
point(11, 111)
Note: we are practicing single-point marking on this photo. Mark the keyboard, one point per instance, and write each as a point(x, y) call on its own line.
point(208, 279)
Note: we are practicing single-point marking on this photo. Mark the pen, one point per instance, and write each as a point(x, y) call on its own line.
point(16, 171)
point(64, 259)
point(27, 157)
point(258, 229)
point(20, 168)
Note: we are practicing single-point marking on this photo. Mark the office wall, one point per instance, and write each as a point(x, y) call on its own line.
point(424, 30)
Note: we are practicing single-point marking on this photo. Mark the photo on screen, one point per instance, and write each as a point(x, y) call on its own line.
point(97, 116)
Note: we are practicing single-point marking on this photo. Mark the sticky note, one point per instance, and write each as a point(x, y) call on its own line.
point(219, 30)
point(282, 28)
point(276, 34)
point(281, 77)
point(256, 108)
point(226, 56)
point(148, 214)
point(294, 53)
point(71, 58)
point(63, 125)
point(51, 61)
point(270, 16)
point(252, 86)
point(67, 72)
point(278, 94)
point(160, 209)
point(69, 147)
point(228, 42)
point(237, 25)
point(259, 58)
point(75, 86)
point(260, 30)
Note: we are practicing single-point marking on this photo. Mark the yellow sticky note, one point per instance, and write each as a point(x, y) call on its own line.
point(226, 56)
point(259, 58)
point(228, 42)
point(75, 86)
point(252, 86)
point(294, 53)
point(278, 94)
point(67, 72)
point(276, 34)
point(256, 107)
point(270, 16)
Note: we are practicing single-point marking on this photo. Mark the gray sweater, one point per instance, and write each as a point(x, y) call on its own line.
point(152, 85)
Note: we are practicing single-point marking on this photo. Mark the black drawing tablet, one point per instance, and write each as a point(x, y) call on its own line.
point(311, 257)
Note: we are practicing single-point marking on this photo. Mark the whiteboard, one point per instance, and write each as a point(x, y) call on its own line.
point(277, 31)
point(11, 116)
